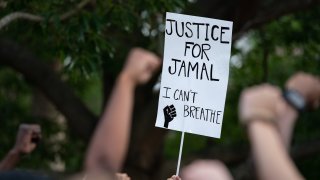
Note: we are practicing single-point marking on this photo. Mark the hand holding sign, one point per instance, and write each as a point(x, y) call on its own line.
point(169, 113)
point(174, 178)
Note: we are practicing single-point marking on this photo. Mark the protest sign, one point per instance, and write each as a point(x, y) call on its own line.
point(195, 74)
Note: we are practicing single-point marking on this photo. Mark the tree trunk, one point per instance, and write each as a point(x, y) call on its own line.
point(80, 120)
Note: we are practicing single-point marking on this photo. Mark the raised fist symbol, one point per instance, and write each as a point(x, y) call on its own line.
point(169, 113)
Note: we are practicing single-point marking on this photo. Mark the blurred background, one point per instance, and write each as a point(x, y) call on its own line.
point(68, 53)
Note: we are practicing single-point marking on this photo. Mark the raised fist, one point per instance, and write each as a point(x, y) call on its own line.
point(140, 65)
point(27, 138)
point(259, 102)
point(169, 113)
point(308, 86)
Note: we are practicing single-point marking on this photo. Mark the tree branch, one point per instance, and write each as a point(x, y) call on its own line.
point(6, 20)
point(72, 12)
point(273, 14)
point(80, 120)
point(18, 15)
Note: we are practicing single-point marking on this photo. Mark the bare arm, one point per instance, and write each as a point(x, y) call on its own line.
point(10, 161)
point(287, 117)
point(258, 110)
point(271, 158)
point(24, 145)
point(308, 87)
point(111, 138)
point(110, 141)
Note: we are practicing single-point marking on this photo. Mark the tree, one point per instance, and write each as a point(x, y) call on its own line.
point(88, 42)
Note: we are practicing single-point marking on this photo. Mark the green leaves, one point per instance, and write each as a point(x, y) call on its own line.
point(93, 40)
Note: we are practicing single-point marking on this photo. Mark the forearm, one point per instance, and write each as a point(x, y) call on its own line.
point(10, 161)
point(286, 131)
point(111, 139)
point(286, 121)
point(270, 155)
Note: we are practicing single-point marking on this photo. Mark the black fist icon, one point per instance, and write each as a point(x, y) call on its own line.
point(169, 113)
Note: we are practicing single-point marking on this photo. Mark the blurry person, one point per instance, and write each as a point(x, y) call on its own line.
point(26, 141)
point(266, 102)
point(206, 169)
point(270, 118)
point(109, 144)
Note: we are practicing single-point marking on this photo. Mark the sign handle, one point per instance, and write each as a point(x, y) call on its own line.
point(180, 153)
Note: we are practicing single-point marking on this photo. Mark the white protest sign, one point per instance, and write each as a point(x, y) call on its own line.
point(195, 74)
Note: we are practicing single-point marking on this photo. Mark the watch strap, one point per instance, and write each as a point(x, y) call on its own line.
point(294, 99)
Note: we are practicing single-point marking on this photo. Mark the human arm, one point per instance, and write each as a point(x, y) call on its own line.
point(110, 140)
point(271, 159)
point(10, 161)
point(308, 86)
point(24, 145)
point(258, 111)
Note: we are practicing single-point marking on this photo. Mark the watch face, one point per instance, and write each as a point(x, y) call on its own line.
point(295, 99)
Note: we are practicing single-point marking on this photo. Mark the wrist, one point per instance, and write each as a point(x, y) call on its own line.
point(295, 99)
point(15, 152)
point(258, 114)
point(287, 113)
point(125, 78)
point(287, 116)
point(259, 124)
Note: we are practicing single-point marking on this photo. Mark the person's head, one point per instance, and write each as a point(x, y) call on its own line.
point(206, 169)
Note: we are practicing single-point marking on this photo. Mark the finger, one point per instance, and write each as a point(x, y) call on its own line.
point(23, 127)
point(174, 115)
point(176, 177)
point(154, 64)
point(35, 128)
point(171, 106)
point(173, 110)
point(26, 130)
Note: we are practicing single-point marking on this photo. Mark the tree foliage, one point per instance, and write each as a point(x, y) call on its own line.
point(80, 48)
point(95, 40)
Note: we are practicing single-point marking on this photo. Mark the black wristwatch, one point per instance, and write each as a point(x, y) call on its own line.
point(295, 99)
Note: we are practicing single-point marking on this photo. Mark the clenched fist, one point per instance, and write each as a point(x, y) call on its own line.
point(27, 138)
point(259, 102)
point(140, 65)
point(308, 86)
